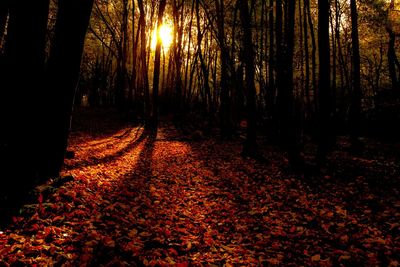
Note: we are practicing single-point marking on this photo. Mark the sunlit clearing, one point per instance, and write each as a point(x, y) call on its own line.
point(165, 35)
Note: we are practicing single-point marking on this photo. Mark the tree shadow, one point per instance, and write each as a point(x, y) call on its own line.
point(119, 218)
point(91, 161)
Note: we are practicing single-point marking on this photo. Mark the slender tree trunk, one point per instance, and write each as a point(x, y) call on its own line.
point(313, 52)
point(63, 74)
point(333, 76)
point(250, 146)
point(3, 18)
point(391, 53)
point(271, 62)
point(307, 62)
point(156, 77)
point(203, 66)
point(288, 131)
point(178, 22)
point(324, 96)
point(356, 94)
point(132, 86)
point(188, 53)
point(143, 61)
point(225, 119)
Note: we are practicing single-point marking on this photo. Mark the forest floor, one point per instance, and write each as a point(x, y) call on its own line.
point(136, 200)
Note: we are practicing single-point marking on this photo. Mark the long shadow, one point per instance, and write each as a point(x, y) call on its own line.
point(114, 138)
point(106, 159)
point(121, 222)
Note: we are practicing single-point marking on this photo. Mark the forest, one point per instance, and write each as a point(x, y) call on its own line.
point(200, 133)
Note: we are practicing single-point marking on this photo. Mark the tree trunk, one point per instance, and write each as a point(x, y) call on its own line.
point(285, 52)
point(63, 74)
point(203, 66)
point(324, 96)
point(225, 119)
point(132, 86)
point(250, 146)
point(271, 62)
point(307, 62)
point(143, 61)
point(313, 52)
point(22, 71)
point(391, 53)
point(356, 94)
point(3, 18)
point(156, 77)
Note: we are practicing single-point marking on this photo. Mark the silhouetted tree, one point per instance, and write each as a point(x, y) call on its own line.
point(356, 94)
point(63, 74)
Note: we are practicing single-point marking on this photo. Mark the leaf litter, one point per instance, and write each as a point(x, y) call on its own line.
point(139, 201)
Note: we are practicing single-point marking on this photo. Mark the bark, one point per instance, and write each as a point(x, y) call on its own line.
point(63, 74)
point(356, 94)
point(313, 51)
point(22, 71)
point(3, 18)
point(132, 86)
point(204, 69)
point(271, 62)
point(288, 130)
point(156, 77)
point(250, 146)
point(324, 96)
point(143, 61)
point(391, 53)
point(225, 119)
point(307, 61)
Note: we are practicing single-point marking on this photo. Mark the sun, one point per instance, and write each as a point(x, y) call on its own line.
point(165, 34)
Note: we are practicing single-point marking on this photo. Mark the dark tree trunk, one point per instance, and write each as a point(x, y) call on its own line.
point(391, 55)
point(143, 61)
point(225, 119)
point(356, 94)
point(156, 77)
point(271, 77)
point(122, 59)
point(203, 66)
point(288, 131)
point(3, 18)
point(313, 51)
point(63, 74)
point(250, 146)
point(307, 62)
point(324, 92)
point(132, 86)
point(22, 71)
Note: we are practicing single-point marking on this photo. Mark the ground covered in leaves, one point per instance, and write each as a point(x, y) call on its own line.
point(136, 200)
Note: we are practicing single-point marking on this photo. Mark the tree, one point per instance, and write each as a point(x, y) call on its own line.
point(250, 146)
point(3, 18)
point(156, 76)
point(324, 90)
point(356, 94)
point(62, 76)
point(393, 61)
point(21, 132)
point(225, 118)
point(285, 52)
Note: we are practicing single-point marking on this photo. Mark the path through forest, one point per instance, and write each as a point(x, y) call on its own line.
point(135, 200)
